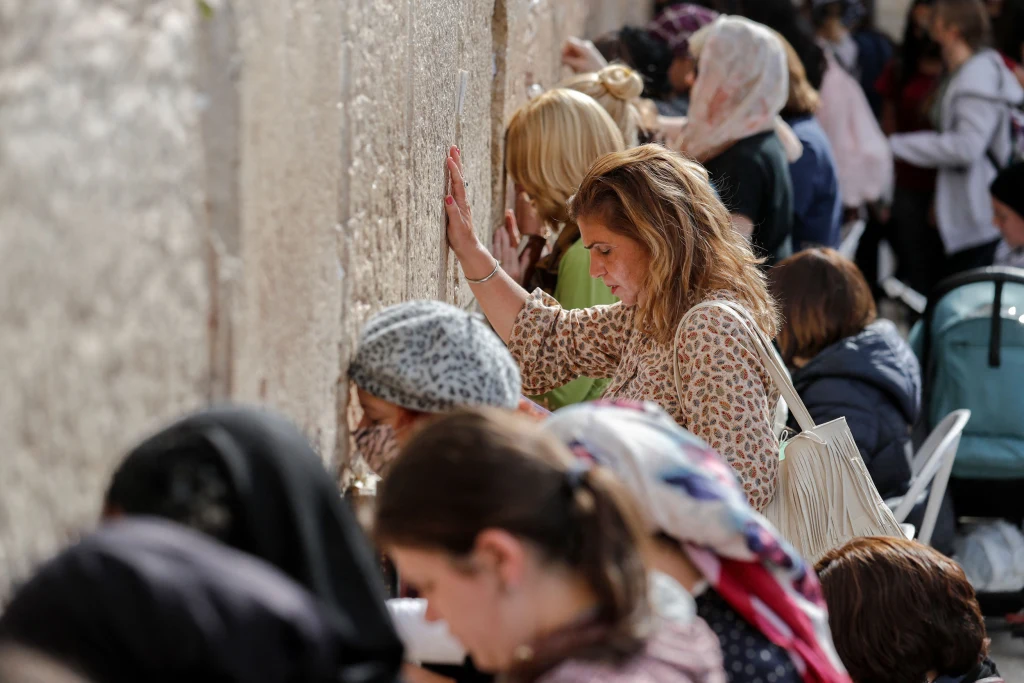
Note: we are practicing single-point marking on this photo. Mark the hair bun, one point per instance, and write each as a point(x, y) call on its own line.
point(621, 82)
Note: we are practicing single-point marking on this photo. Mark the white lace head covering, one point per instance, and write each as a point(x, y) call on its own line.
point(742, 85)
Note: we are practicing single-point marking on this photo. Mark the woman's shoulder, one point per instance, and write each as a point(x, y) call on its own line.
point(710, 317)
point(675, 653)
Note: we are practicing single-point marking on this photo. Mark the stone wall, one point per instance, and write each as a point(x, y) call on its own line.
point(204, 200)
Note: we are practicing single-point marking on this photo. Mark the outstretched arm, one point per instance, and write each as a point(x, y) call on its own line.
point(500, 297)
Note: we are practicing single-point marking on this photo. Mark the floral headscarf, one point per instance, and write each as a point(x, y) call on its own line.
point(742, 85)
point(689, 493)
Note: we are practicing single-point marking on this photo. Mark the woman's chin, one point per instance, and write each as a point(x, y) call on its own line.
point(624, 296)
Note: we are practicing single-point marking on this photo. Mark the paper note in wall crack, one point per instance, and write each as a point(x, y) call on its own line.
point(460, 99)
point(448, 275)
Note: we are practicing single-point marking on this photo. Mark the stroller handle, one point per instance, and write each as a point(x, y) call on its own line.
point(998, 275)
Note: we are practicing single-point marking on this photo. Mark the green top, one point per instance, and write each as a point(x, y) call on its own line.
point(576, 289)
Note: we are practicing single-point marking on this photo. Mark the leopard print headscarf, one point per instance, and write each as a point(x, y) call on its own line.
point(432, 357)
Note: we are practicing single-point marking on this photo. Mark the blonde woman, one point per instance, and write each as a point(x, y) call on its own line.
point(551, 142)
point(617, 88)
point(663, 241)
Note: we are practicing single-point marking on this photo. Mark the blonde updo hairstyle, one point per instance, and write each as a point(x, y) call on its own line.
point(664, 201)
point(617, 88)
point(551, 142)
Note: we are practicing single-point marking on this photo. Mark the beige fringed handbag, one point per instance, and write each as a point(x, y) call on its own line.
point(825, 496)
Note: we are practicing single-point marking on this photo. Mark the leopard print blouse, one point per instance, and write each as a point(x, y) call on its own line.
point(725, 404)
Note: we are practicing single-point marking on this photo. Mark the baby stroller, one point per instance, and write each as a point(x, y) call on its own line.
point(971, 346)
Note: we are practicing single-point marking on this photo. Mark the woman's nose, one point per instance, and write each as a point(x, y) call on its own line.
point(596, 270)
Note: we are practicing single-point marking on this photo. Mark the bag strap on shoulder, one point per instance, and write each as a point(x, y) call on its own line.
point(772, 363)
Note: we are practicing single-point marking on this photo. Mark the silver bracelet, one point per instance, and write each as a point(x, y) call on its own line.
point(497, 266)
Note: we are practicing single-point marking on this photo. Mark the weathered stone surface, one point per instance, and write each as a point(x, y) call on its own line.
point(103, 248)
point(609, 15)
point(376, 91)
point(528, 46)
point(206, 199)
point(286, 329)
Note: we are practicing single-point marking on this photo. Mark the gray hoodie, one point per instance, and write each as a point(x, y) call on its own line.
point(975, 111)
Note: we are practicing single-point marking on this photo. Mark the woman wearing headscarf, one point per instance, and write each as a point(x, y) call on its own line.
point(419, 359)
point(742, 86)
point(756, 593)
point(148, 600)
point(249, 479)
point(674, 25)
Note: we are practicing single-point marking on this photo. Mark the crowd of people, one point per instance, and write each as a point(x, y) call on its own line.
point(678, 205)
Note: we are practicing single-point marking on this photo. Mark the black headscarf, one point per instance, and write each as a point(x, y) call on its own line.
point(149, 600)
point(281, 505)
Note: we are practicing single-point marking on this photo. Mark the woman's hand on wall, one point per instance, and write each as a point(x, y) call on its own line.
point(499, 296)
point(517, 263)
point(582, 56)
point(476, 261)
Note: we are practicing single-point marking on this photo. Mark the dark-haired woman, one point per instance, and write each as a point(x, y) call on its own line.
point(249, 479)
point(846, 362)
point(901, 611)
point(534, 563)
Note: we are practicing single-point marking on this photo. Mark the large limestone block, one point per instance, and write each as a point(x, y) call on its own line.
point(375, 182)
point(103, 270)
point(528, 38)
point(376, 88)
point(611, 15)
point(286, 324)
point(447, 38)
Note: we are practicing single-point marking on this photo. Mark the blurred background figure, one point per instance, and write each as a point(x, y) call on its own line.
point(817, 202)
point(147, 600)
point(971, 141)
point(901, 611)
point(249, 479)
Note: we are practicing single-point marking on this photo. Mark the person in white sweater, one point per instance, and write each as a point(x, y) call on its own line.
point(972, 140)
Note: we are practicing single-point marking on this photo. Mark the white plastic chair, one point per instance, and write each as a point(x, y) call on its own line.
point(932, 465)
point(850, 242)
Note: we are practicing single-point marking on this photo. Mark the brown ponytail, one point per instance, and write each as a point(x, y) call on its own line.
point(467, 472)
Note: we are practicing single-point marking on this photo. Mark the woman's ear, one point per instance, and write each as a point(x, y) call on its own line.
point(406, 421)
point(500, 552)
